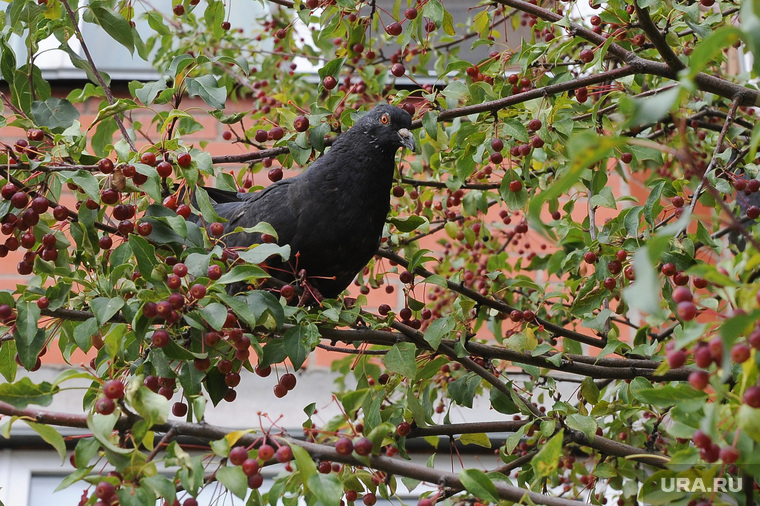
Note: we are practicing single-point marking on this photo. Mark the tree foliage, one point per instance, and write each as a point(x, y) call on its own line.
point(524, 260)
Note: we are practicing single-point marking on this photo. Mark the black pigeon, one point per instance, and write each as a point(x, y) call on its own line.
point(332, 214)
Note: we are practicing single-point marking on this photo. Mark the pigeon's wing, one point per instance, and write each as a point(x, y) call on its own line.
point(271, 205)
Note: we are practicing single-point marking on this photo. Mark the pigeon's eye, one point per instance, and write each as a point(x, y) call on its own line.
point(385, 119)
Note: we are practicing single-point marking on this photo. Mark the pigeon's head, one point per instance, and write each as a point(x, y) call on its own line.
point(389, 126)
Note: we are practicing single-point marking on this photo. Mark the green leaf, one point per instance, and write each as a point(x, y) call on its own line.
point(326, 487)
point(479, 484)
point(401, 359)
point(547, 459)
point(50, 436)
point(152, 407)
point(115, 25)
point(119, 106)
point(585, 424)
point(430, 123)
point(83, 179)
point(480, 439)
point(644, 293)
point(24, 392)
point(234, 479)
point(462, 390)
point(208, 89)
point(682, 394)
point(706, 52)
point(215, 315)
point(750, 24)
point(102, 428)
point(30, 340)
point(104, 308)
point(585, 149)
point(438, 329)
point(207, 209)
point(8, 366)
point(55, 113)
point(331, 68)
point(149, 91)
point(409, 223)
point(306, 465)
point(294, 345)
point(652, 108)
point(261, 252)
point(145, 254)
point(748, 419)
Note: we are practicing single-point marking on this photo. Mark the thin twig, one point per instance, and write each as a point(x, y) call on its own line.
point(106, 89)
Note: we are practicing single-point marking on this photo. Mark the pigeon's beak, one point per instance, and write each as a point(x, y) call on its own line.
point(407, 139)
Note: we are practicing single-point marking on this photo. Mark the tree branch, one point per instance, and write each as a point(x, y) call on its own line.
point(106, 89)
point(317, 451)
point(657, 39)
point(494, 304)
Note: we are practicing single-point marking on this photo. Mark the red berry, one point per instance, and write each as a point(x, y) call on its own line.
point(699, 379)
point(676, 359)
point(668, 269)
point(686, 310)
point(398, 70)
point(589, 257)
point(283, 454)
point(179, 9)
point(216, 229)
point(344, 446)
point(226, 25)
point(682, 294)
point(301, 124)
point(288, 380)
point(403, 429)
point(274, 174)
point(740, 353)
point(394, 29)
point(280, 390)
point(105, 491)
point(250, 466)
point(329, 82)
point(276, 133)
point(729, 454)
point(701, 440)
point(515, 185)
point(113, 389)
point(497, 145)
point(148, 158)
point(752, 396)
point(238, 455)
point(534, 124)
point(43, 302)
point(410, 13)
point(266, 452)
point(164, 169)
point(160, 338)
point(105, 165)
point(19, 200)
point(214, 272)
point(105, 406)
point(363, 446)
point(198, 291)
point(179, 409)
